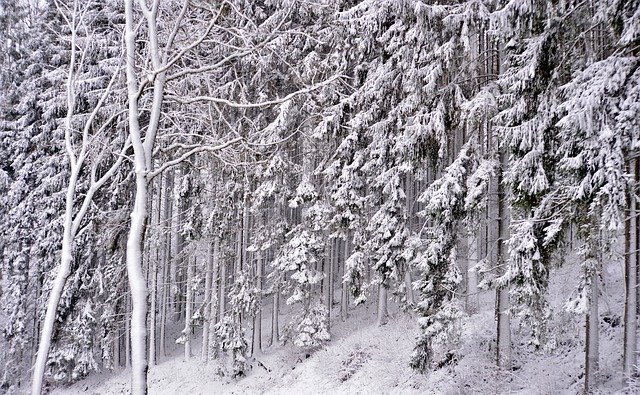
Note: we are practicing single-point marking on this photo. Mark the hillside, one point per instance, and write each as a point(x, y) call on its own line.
point(363, 358)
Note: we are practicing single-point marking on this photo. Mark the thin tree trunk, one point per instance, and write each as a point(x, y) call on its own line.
point(223, 293)
point(473, 300)
point(592, 336)
point(213, 314)
point(630, 275)
point(275, 335)
point(154, 279)
point(344, 306)
point(166, 264)
point(116, 348)
point(328, 281)
point(208, 301)
point(257, 320)
point(188, 308)
point(501, 234)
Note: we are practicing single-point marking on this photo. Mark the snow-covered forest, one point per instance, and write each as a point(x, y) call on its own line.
point(372, 196)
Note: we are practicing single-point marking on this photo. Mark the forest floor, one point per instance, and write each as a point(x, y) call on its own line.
point(364, 358)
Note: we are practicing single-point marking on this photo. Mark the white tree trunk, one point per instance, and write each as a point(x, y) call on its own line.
point(54, 298)
point(138, 288)
point(630, 303)
point(137, 283)
point(127, 333)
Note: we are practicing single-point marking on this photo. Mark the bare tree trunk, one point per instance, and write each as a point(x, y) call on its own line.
point(188, 308)
point(166, 264)
point(257, 320)
point(154, 278)
point(328, 281)
point(223, 292)
point(137, 285)
point(344, 303)
point(127, 333)
point(592, 336)
point(64, 270)
point(116, 348)
point(208, 301)
point(275, 334)
point(631, 293)
point(500, 229)
point(215, 300)
point(383, 313)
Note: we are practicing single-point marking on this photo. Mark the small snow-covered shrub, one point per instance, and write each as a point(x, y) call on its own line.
point(353, 363)
point(231, 338)
point(312, 331)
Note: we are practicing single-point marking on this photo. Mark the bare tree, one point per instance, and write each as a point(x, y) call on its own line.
point(84, 154)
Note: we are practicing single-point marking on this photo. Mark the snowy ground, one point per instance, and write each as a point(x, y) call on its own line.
point(363, 358)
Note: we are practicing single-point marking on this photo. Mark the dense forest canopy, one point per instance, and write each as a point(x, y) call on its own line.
point(219, 164)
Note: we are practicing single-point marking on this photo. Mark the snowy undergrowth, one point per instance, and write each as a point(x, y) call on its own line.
point(365, 358)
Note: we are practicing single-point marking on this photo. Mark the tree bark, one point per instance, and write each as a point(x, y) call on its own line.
point(188, 307)
point(275, 334)
point(208, 301)
point(592, 336)
point(137, 285)
point(383, 313)
point(166, 264)
point(631, 293)
point(256, 346)
point(154, 279)
point(213, 311)
point(501, 234)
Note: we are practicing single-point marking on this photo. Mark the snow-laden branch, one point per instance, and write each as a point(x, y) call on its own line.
point(267, 103)
point(188, 154)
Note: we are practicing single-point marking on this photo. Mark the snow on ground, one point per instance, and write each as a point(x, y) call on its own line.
point(363, 358)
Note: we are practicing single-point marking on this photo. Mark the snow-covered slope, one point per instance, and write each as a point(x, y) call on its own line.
point(364, 358)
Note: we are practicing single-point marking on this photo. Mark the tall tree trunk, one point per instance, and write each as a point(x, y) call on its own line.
point(223, 293)
point(64, 270)
point(275, 334)
point(501, 234)
point(344, 302)
point(256, 346)
point(137, 285)
point(208, 301)
point(188, 307)
point(631, 293)
point(216, 278)
point(154, 276)
point(472, 286)
point(592, 336)
point(328, 280)
point(166, 260)
point(127, 333)
point(116, 348)
point(138, 288)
